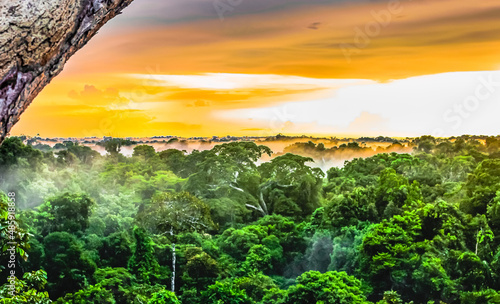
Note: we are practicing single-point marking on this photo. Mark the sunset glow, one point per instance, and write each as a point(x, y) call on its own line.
point(396, 68)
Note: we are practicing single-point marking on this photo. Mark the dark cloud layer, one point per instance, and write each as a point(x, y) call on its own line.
point(148, 12)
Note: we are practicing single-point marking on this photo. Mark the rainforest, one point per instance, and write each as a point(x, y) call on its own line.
point(237, 223)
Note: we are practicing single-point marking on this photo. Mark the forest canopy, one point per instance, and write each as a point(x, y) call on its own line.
point(238, 224)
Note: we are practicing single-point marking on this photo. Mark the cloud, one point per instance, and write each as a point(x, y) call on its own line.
point(94, 96)
point(154, 12)
point(408, 107)
point(226, 97)
point(253, 129)
point(314, 26)
point(277, 40)
point(199, 103)
point(168, 127)
point(367, 122)
point(235, 81)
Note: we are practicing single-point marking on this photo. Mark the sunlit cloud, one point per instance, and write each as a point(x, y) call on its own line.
point(228, 81)
point(91, 95)
point(431, 104)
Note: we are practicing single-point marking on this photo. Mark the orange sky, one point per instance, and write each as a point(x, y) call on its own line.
point(287, 54)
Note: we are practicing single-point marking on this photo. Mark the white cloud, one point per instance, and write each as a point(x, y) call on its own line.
point(226, 81)
point(441, 104)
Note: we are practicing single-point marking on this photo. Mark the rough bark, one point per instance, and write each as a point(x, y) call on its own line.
point(36, 40)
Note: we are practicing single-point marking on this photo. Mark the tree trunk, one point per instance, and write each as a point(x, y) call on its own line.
point(173, 267)
point(36, 40)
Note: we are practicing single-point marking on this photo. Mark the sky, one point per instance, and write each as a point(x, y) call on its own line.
point(261, 67)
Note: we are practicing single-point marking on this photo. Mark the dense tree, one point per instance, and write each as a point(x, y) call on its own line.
point(238, 224)
point(67, 212)
point(143, 261)
point(112, 146)
point(225, 292)
point(390, 248)
point(174, 213)
point(482, 186)
point(328, 288)
point(68, 269)
point(349, 209)
point(116, 250)
point(290, 187)
point(174, 160)
point(164, 297)
point(13, 151)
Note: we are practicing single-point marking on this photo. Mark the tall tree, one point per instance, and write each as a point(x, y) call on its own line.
point(173, 213)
